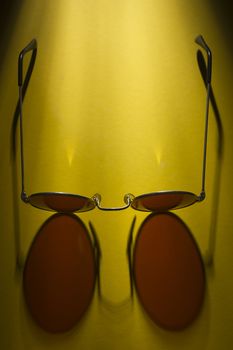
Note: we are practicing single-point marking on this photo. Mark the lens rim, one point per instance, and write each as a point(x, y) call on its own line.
point(89, 203)
point(135, 204)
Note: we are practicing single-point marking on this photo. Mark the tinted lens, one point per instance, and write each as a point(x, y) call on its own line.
point(168, 271)
point(59, 274)
point(162, 201)
point(61, 202)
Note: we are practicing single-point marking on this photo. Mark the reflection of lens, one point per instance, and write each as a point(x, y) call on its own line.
point(168, 271)
point(61, 202)
point(59, 274)
point(162, 201)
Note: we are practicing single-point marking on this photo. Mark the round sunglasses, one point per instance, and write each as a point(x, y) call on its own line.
point(68, 202)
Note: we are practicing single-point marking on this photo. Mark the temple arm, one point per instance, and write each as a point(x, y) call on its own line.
point(23, 83)
point(200, 41)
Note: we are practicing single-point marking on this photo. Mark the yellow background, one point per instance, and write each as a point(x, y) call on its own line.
point(115, 105)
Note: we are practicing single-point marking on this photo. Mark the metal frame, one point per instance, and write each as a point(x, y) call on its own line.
point(32, 46)
point(200, 41)
point(129, 199)
point(195, 198)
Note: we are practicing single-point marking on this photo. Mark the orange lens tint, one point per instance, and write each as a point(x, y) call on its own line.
point(162, 201)
point(59, 274)
point(61, 202)
point(168, 271)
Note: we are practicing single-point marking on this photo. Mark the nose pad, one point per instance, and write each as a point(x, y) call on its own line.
point(59, 274)
point(168, 271)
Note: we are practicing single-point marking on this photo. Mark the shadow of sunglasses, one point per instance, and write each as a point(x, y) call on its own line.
point(167, 271)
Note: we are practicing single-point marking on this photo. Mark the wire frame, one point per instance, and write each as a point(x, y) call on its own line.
point(170, 200)
point(67, 202)
point(164, 200)
point(61, 202)
point(52, 201)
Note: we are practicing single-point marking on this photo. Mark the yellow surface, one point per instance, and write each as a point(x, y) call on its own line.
point(116, 105)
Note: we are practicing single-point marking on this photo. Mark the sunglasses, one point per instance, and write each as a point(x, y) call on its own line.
point(70, 203)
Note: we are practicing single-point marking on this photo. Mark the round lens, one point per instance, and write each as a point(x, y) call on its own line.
point(168, 271)
point(162, 201)
point(61, 202)
point(59, 274)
